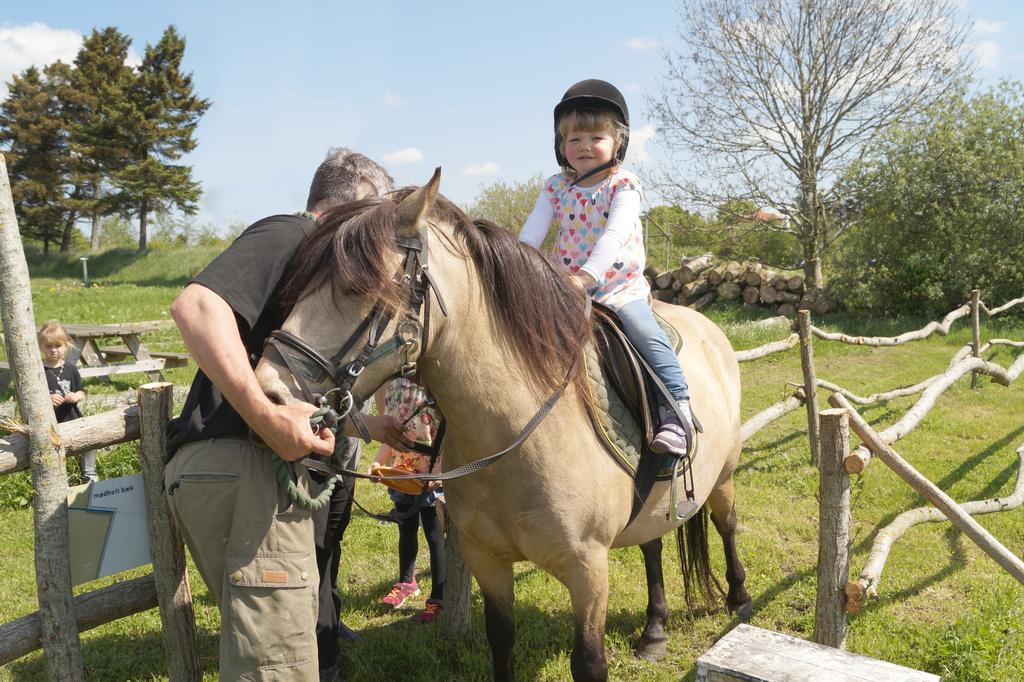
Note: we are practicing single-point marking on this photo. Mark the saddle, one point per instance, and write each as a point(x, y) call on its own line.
point(625, 393)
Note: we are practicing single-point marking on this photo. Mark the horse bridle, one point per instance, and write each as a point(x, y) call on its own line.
point(409, 338)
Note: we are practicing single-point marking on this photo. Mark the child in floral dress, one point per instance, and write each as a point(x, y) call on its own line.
point(412, 405)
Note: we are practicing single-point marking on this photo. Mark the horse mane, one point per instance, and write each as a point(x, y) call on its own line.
point(542, 313)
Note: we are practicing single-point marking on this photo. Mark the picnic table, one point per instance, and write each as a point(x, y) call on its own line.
point(95, 360)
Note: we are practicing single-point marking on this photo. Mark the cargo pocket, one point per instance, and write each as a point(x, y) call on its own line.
point(273, 611)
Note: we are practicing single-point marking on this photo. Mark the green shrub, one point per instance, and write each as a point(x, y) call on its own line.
point(936, 211)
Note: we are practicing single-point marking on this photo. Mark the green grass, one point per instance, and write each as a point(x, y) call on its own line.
point(943, 605)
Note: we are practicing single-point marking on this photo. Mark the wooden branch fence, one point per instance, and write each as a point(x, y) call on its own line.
point(43, 446)
point(837, 595)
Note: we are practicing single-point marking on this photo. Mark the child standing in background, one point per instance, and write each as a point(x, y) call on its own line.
point(600, 238)
point(65, 385)
point(410, 403)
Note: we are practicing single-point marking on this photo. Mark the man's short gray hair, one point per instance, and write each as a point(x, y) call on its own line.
point(346, 176)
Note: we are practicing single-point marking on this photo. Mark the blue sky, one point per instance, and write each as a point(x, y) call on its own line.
point(468, 86)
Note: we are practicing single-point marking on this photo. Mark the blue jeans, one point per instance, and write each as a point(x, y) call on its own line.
point(649, 339)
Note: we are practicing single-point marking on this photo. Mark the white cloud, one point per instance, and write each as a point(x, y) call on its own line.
point(985, 26)
point(638, 139)
point(133, 59)
point(989, 54)
point(632, 87)
point(34, 44)
point(485, 168)
point(392, 100)
point(641, 44)
point(407, 155)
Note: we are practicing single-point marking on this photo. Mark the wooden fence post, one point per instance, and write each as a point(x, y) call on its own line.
point(975, 331)
point(810, 383)
point(165, 544)
point(53, 569)
point(458, 584)
point(833, 530)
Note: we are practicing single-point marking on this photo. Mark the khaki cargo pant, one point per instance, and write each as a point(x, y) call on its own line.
point(255, 551)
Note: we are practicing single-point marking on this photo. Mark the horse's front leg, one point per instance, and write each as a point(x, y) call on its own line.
point(588, 590)
point(498, 590)
point(653, 643)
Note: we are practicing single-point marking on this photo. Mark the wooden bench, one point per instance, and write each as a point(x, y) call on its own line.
point(93, 360)
point(756, 655)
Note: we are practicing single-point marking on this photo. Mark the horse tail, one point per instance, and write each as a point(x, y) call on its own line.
point(699, 584)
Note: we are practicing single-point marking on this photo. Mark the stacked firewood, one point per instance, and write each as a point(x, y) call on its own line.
point(698, 281)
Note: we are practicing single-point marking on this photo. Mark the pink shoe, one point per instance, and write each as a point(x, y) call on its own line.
point(399, 593)
point(433, 611)
point(671, 436)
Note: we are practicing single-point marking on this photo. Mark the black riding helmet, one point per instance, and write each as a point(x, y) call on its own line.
point(592, 94)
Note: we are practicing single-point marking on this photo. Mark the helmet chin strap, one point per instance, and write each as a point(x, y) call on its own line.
point(594, 171)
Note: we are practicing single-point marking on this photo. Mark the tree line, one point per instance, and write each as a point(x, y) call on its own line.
point(100, 138)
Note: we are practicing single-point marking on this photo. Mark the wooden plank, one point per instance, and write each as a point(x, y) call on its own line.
point(756, 655)
point(123, 368)
point(101, 330)
point(173, 359)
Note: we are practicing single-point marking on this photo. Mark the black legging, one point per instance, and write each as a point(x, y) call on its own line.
point(408, 547)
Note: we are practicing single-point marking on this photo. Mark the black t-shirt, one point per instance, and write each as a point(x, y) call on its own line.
point(248, 276)
point(63, 380)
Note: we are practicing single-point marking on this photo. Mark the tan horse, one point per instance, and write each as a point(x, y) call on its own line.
point(510, 334)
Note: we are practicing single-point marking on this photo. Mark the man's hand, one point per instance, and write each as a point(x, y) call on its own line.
point(286, 430)
point(57, 399)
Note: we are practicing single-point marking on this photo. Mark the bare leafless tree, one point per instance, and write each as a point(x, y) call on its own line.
point(768, 100)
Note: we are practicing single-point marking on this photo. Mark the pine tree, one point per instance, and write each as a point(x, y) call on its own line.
point(32, 134)
point(159, 127)
point(96, 106)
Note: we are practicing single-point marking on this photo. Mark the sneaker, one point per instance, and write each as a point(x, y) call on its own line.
point(399, 593)
point(346, 634)
point(331, 674)
point(671, 436)
point(433, 611)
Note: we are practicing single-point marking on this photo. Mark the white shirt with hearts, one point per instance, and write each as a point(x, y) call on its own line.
point(599, 232)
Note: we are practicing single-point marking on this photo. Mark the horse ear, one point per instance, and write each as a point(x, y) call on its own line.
point(414, 209)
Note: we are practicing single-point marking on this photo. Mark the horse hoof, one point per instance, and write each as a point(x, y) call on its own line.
point(744, 612)
point(652, 650)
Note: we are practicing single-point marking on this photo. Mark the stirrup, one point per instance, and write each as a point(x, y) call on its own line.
point(682, 511)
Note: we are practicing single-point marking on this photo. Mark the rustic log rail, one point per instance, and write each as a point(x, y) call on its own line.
point(168, 579)
point(871, 574)
point(835, 599)
point(955, 513)
point(780, 409)
point(40, 444)
point(859, 458)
